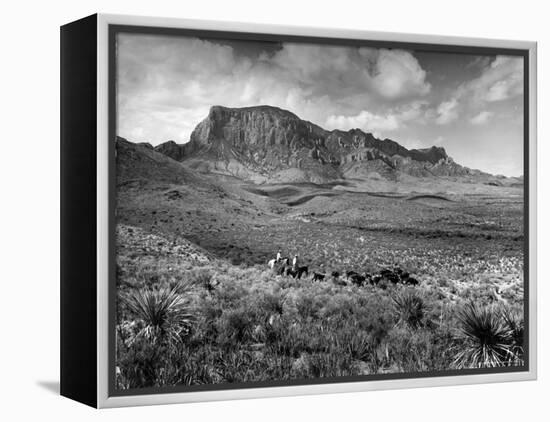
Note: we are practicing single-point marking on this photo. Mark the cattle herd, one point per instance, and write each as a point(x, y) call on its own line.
point(382, 279)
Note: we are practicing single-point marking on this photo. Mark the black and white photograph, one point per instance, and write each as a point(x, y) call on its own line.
point(291, 211)
point(279, 211)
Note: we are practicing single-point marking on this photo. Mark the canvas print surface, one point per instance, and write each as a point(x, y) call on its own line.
point(298, 211)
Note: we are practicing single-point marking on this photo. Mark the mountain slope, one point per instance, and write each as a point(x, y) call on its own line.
point(142, 163)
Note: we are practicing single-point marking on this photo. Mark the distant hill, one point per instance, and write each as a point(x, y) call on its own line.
point(140, 162)
point(267, 143)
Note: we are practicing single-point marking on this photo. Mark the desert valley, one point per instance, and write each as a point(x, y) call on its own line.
point(411, 258)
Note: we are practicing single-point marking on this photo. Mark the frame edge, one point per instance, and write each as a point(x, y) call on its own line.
point(106, 401)
point(78, 344)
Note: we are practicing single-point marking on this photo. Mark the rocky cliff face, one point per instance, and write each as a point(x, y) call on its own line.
point(268, 143)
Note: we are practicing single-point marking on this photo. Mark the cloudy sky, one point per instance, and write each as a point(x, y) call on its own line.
point(471, 105)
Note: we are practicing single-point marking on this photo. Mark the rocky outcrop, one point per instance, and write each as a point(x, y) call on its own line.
point(172, 150)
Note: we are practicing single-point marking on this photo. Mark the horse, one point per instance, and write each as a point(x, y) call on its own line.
point(298, 272)
point(271, 263)
point(285, 260)
point(318, 277)
point(290, 272)
point(302, 270)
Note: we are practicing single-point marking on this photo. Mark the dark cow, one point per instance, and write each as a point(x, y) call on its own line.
point(375, 279)
point(390, 276)
point(411, 281)
point(318, 277)
point(357, 279)
point(351, 273)
point(335, 274)
point(368, 279)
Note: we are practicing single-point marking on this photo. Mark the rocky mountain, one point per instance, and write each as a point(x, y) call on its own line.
point(267, 143)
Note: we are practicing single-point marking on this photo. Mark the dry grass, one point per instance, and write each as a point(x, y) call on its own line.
point(250, 325)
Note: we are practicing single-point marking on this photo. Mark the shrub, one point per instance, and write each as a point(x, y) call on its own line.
point(235, 326)
point(284, 338)
point(270, 303)
point(321, 365)
point(203, 278)
point(410, 308)
point(236, 366)
point(423, 349)
point(252, 325)
point(308, 306)
point(358, 345)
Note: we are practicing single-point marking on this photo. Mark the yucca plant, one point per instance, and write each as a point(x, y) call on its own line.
point(485, 338)
point(164, 313)
point(410, 309)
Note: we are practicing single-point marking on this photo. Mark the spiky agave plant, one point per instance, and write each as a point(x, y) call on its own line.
point(165, 313)
point(410, 309)
point(484, 336)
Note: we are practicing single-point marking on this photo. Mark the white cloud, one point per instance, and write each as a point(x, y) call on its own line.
point(500, 80)
point(498, 91)
point(398, 74)
point(392, 74)
point(364, 120)
point(447, 112)
point(481, 118)
point(394, 119)
point(420, 143)
point(164, 82)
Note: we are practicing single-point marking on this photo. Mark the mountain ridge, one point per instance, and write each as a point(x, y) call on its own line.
point(263, 143)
